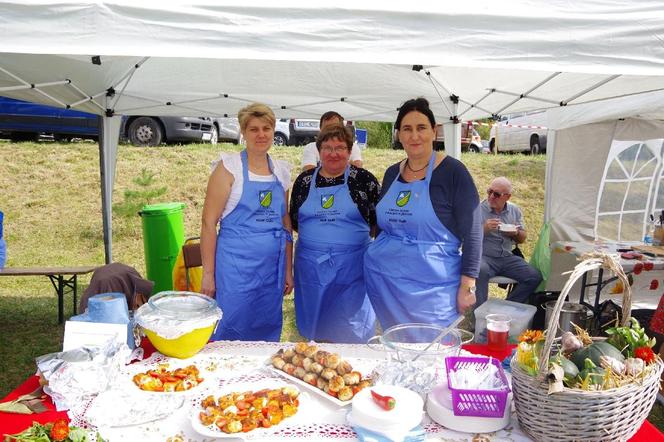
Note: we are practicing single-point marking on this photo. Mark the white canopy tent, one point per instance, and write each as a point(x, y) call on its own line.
point(471, 60)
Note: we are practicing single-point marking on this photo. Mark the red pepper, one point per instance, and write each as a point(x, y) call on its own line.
point(384, 402)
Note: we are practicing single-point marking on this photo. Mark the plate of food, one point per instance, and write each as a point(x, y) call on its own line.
point(507, 227)
point(321, 372)
point(166, 378)
point(238, 412)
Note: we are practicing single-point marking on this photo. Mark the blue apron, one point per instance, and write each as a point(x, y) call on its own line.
point(413, 268)
point(250, 259)
point(331, 302)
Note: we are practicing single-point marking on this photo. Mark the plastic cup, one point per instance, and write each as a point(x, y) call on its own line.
point(498, 330)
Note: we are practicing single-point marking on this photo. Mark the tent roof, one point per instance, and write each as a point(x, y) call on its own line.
point(212, 57)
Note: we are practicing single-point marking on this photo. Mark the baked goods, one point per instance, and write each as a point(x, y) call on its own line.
point(326, 371)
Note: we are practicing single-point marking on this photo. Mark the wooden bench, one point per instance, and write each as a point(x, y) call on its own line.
point(61, 277)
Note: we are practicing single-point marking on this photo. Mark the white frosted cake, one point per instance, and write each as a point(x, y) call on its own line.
point(406, 414)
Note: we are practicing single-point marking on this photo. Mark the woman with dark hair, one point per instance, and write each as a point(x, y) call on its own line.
point(428, 212)
point(333, 210)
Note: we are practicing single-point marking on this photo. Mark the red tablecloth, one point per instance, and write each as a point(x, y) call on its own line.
point(14, 423)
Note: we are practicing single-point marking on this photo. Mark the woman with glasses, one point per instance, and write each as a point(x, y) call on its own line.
point(427, 215)
point(247, 265)
point(333, 210)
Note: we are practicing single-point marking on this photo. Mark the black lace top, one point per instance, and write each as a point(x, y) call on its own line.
point(363, 186)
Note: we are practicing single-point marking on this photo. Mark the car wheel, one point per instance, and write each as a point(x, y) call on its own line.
point(215, 135)
point(145, 131)
point(534, 146)
point(279, 139)
point(473, 148)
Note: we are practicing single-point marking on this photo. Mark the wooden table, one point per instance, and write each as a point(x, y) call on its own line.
point(61, 277)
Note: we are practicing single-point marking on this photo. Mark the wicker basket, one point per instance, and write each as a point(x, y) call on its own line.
point(575, 415)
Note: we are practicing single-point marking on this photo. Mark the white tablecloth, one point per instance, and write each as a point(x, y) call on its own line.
point(227, 365)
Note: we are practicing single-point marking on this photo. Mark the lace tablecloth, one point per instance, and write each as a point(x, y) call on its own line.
point(239, 366)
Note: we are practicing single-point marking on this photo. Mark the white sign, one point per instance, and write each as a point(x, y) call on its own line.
point(78, 334)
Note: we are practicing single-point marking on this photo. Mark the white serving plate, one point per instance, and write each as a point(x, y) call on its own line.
point(264, 433)
point(309, 387)
point(507, 228)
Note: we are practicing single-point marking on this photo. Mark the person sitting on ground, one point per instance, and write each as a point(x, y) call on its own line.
point(503, 229)
point(311, 156)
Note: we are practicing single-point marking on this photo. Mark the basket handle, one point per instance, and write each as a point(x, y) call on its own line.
point(590, 261)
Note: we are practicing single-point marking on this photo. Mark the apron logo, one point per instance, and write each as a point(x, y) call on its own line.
point(327, 201)
point(265, 197)
point(403, 197)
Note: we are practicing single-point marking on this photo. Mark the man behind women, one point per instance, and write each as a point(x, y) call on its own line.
point(429, 209)
point(333, 210)
point(497, 256)
point(311, 156)
point(247, 265)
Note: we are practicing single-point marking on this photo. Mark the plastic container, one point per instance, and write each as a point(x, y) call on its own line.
point(163, 236)
point(479, 403)
point(178, 324)
point(521, 315)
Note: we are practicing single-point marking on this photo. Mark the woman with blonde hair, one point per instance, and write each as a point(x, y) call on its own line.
point(247, 265)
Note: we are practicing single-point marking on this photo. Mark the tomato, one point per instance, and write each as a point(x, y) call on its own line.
point(265, 412)
point(244, 412)
point(241, 405)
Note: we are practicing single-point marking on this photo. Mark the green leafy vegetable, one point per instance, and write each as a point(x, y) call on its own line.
point(629, 338)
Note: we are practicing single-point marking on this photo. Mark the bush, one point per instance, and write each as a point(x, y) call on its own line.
point(379, 134)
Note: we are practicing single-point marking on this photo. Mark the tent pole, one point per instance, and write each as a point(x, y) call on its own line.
point(109, 131)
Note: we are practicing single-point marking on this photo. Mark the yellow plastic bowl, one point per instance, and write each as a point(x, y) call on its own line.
point(183, 347)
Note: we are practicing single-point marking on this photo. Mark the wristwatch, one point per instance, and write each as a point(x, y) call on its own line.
point(471, 288)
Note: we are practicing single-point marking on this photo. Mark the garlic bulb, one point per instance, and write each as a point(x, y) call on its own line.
point(570, 343)
point(615, 365)
point(634, 366)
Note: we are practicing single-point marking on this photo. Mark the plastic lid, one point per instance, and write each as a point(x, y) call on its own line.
point(182, 305)
point(161, 208)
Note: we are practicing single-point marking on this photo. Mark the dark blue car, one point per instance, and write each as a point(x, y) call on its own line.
point(24, 121)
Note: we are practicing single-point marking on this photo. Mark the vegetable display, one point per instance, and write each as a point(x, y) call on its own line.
point(590, 364)
point(58, 431)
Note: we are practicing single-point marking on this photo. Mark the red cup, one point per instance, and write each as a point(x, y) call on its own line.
point(498, 330)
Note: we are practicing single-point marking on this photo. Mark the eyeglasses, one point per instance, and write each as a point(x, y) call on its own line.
point(495, 194)
point(336, 149)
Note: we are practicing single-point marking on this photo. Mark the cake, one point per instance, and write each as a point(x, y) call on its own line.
point(405, 416)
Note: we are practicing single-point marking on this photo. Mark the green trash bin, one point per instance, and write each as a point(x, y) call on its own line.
point(163, 236)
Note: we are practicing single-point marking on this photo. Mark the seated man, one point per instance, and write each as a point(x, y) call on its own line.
point(503, 229)
point(310, 156)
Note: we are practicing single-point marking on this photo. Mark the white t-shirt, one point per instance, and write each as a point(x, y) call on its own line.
point(233, 164)
point(310, 156)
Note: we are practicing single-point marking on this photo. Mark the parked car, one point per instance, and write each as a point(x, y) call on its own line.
point(282, 132)
point(519, 133)
point(302, 131)
point(23, 121)
point(226, 129)
point(470, 139)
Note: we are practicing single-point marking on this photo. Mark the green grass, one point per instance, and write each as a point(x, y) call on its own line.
point(50, 195)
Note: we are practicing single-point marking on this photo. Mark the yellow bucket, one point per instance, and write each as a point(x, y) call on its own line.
point(184, 346)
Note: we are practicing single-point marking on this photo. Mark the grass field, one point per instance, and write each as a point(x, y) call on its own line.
point(50, 195)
